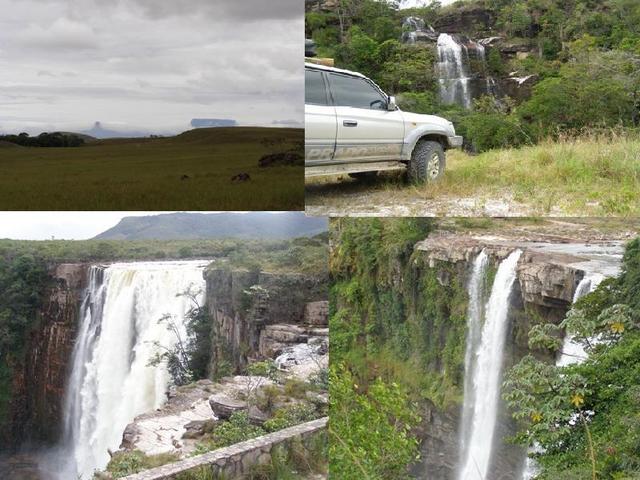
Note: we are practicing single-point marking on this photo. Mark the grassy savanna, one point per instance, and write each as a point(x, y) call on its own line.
point(587, 176)
point(191, 171)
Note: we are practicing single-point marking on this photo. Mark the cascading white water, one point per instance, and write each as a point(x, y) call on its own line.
point(487, 374)
point(571, 352)
point(453, 77)
point(111, 381)
point(475, 314)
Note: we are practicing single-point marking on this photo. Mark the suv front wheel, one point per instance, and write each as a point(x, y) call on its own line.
point(427, 162)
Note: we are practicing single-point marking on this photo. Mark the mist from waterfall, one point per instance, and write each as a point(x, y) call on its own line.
point(571, 352)
point(111, 381)
point(487, 373)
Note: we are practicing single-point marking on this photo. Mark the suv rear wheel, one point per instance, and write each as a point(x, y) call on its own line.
point(427, 162)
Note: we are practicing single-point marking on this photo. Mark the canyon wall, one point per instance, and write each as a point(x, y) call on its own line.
point(254, 311)
point(544, 289)
point(35, 410)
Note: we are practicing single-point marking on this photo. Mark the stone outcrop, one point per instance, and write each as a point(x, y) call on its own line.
point(475, 21)
point(194, 410)
point(238, 460)
point(546, 279)
point(173, 427)
point(224, 406)
point(244, 303)
point(36, 408)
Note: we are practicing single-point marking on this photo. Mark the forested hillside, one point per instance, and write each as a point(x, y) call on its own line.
point(398, 327)
point(552, 67)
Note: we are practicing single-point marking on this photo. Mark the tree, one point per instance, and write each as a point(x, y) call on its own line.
point(586, 411)
point(188, 358)
point(356, 450)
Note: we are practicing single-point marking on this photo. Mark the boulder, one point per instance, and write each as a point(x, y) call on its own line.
point(224, 406)
point(256, 416)
point(129, 437)
point(196, 428)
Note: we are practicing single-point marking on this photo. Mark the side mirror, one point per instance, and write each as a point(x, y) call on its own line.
point(391, 104)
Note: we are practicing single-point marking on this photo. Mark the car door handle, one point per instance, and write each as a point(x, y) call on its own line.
point(349, 123)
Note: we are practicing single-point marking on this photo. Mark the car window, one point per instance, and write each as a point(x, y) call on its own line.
point(314, 90)
point(355, 92)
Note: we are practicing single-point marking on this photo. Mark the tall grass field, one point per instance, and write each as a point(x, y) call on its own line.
point(593, 175)
point(590, 175)
point(191, 171)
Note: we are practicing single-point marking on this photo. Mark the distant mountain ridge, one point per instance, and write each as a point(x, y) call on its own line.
point(176, 226)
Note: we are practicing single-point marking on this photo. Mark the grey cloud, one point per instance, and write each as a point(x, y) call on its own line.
point(151, 64)
point(238, 10)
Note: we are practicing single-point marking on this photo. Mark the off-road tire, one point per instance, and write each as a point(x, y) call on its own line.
point(427, 163)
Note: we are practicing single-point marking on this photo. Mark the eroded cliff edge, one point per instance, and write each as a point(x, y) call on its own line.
point(257, 313)
point(544, 289)
point(36, 406)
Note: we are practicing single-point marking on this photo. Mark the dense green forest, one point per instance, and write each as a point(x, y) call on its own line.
point(376, 350)
point(56, 139)
point(584, 55)
point(397, 343)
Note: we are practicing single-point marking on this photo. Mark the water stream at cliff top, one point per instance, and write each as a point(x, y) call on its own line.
point(487, 373)
point(111, 381)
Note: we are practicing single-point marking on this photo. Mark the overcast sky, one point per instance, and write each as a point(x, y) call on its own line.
point(149, 65)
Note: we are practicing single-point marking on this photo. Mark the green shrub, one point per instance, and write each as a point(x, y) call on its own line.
point(265, 368)
point(369, 431)
point(236, 429)
point(487, 131)
point(290, 416)
point(130, 462)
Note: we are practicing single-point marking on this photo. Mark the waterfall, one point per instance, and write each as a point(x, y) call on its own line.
point(111, 381)
point(487, 374)
point(571, 352)
point(452, 72)
point(476, 291)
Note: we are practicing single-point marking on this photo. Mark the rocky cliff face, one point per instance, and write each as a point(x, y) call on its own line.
point(243, 304)
point(546, 282)
point(38, 385)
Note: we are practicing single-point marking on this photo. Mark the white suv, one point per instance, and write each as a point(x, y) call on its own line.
point(353, 127)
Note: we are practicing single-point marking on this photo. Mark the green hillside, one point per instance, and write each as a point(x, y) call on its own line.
point(191, 171)
point(582, 59)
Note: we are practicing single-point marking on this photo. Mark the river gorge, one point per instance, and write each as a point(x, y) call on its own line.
point(90, 383)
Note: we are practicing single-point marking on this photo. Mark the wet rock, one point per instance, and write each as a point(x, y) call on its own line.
point(275, 338)
point(129, 436)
